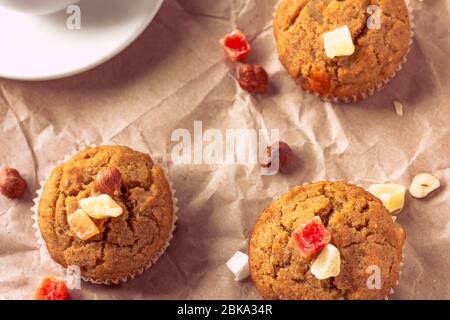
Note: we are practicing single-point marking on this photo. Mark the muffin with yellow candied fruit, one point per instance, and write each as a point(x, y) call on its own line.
point(107, 210)
point(326, 240)
point(342, 50)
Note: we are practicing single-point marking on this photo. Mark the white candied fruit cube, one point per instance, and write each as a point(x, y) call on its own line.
point(338, 42)
point(423, 184)
point(101, 207)
point(238, 264)
point(392, 196)
point(327, 264)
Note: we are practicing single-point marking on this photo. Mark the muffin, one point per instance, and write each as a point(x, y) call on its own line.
point(379, 51)
point(358, 226)
point(128, 234)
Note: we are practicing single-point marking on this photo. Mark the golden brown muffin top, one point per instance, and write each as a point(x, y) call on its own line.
point(125, 244)
point(361, 229)
point(299, 26)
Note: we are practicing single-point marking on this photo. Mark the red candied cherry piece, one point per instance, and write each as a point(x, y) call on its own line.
point(52, 289)
point(311, 237)
point(236, 45)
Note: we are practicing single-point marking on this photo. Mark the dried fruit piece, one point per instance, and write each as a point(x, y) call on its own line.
point(238, 264)
point(311, 237)
point(319, 81)
point(327, 264)
point(338, 42)
point(101, 207)
point(82, 225)
point(12, 185)
point(392, 196)
point(253, 78)
point(423, 184)
point(52, 289)
point(108, 181)
point(278, 151)
point(236, 45)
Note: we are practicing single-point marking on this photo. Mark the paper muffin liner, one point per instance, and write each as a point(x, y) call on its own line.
point(45, 255)
point(378, 87)
point(394, 218)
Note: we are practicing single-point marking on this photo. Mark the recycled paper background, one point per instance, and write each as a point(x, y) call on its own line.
point(175, 74)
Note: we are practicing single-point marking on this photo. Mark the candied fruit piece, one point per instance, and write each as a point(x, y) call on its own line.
point(82, 225)
point(238, 264)
point(392, 196)
point(327, 264)
point(101, 207)
point(311, 237)
point(338, 42)
point(52, 289)
point(319, 81)
point(236, 46)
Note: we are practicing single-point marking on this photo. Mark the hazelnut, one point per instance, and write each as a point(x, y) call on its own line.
point(253, 78)
point(280, 150)
point(108, 181)
point(12, 185)
point(423, 184)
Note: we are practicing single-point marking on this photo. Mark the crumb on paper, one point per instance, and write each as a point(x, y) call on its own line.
point(398, 108)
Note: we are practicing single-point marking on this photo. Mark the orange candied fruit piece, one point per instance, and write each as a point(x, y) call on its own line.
point(319, 82)
point(82, 225)
point(236, 45)
point(52, 289)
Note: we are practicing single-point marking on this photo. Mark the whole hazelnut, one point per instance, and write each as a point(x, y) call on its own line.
point(12, 185)
point(108, 181)
point(280, 150)
point(253, 78)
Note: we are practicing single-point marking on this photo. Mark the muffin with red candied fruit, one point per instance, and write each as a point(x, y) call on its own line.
point(342, 50)
point(109, 211)
point(326, 240)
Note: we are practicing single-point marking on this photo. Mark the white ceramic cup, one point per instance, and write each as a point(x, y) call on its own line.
point(37, 7)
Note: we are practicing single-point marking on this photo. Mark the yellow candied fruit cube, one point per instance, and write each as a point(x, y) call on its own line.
point(338, 42)
point(101, 207)
point(82, 225)
point(392, 196)
point(327, 264)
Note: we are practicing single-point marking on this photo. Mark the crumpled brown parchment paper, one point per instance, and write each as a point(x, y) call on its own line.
point(175, 74)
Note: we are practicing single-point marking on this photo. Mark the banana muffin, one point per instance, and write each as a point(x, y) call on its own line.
point(109, 211)
point(379, 36)
point(358, 228)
